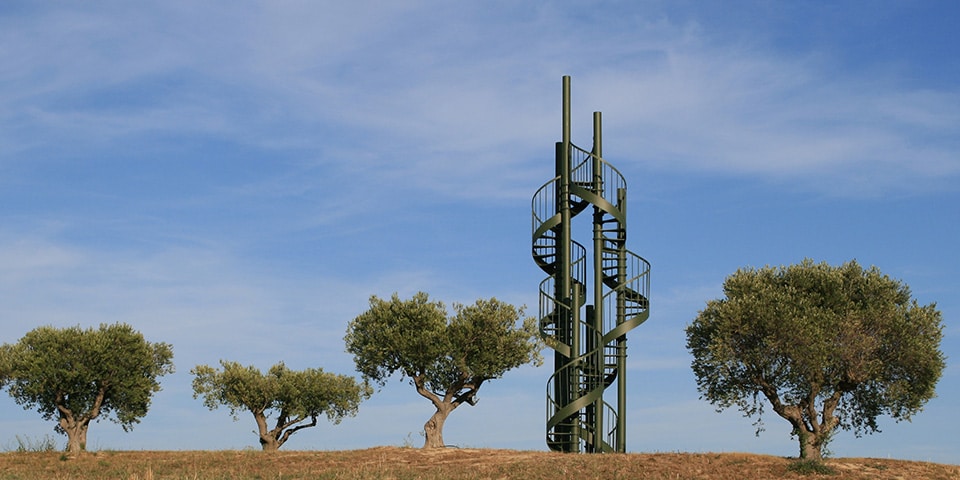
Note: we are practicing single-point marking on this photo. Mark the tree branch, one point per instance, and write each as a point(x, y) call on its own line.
point(770, 392)
point(64, 411)
point(283, 423)
point(811, 407)
point(66, 415)
point(420, 381)
point(829, 406)
point(791, 413)
point(291, 431)
point(98, 403)
point(261, 422)
point(469, 396)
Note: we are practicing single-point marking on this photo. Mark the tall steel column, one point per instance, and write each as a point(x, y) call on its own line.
point(566, 332)
point(589, 340)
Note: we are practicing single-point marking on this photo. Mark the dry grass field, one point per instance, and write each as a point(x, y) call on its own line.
point(409, 463)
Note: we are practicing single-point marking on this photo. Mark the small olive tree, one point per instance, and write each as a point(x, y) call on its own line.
point(446, 360)
point(826, 346)
point(297, 398)
point(75, 376)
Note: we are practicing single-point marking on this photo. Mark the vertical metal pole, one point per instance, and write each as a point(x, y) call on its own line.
point(574, 371)
point(597, 359)
point(565, 325)
point(563, 171)
point(621, 446)
point(596, 381)
point(561, 286)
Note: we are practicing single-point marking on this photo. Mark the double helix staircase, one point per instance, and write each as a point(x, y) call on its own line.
point(589, 340)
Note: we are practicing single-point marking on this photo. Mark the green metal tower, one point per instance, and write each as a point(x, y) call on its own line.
point(589, 339)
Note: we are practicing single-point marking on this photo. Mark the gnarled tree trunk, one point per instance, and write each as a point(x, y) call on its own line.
point(813, 428)
point(76, 426)
point(272, 439)
point(811, 445)
point(76, 434)
point(269, 444)
point(269, 440)
point(433, 429)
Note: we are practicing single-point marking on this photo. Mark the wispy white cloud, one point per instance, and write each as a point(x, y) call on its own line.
point(457, 103)
point(784, 118)
point(202, 301)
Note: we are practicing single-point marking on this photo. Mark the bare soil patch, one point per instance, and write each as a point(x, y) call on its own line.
point(409, 463)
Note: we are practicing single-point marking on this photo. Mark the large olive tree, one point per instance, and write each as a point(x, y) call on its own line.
point(826, 346)
point(445, 359)
point(295, 397)
point(75, 376)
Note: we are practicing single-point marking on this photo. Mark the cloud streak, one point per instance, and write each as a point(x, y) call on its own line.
point(673, 98)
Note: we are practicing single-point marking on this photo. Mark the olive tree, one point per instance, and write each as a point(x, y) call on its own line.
point(75, 376)
point(446, 360)
point(825, 346)
point(297, 398)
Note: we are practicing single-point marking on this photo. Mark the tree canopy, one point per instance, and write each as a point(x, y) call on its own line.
point(75, 375)
point(295, 398)
point(825, 346)
point(445, 359)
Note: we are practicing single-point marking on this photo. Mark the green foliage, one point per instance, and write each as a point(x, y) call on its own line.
point(825, 346)
point(85, 373)
point(415, 338)
point(293, 397)
point(446, 360)
point(405, 336)
point(810, 467)
point(306, 393)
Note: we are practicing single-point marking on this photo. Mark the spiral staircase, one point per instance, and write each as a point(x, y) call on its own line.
point(589, 340)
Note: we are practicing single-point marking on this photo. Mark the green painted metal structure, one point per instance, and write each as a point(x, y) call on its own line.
point(589, 339)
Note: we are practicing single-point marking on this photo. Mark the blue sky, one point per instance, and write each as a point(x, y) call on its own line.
point(237, 178)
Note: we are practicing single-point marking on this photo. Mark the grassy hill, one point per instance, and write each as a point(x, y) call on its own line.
point(409, 463)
